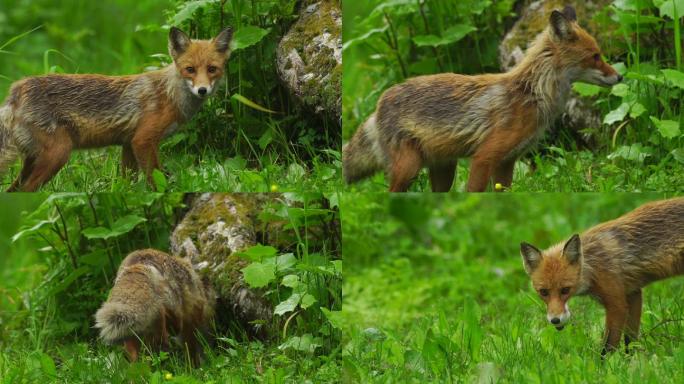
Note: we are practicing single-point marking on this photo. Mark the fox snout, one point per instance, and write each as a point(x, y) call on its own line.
point(200, 89)
point(558, 315)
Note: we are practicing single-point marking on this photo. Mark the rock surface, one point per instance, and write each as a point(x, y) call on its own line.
point(213, 230)
point(310, 57)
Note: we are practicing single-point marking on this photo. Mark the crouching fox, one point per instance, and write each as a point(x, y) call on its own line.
point(155, 295)
point(492, 119)
point(612, 262)
point(45, 117)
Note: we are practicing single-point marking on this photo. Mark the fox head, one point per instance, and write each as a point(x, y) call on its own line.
point(578, 51)
point(200, 62)
point(556, 276)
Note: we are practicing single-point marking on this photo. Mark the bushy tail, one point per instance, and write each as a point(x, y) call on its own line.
point(128, 311)
point(362, 156)
point(8, 148)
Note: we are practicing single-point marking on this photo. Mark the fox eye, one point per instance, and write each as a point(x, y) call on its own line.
point(544, 292)
point(190, 69)
point(565, 290)
point(211, 69)
point(597, 57)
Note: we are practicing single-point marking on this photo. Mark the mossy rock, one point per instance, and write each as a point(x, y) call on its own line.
point(310, 57)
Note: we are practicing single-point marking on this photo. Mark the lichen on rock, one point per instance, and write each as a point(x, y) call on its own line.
point(310, 57)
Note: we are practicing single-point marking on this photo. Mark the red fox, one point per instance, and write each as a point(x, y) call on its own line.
point(153, 292)
point(45, 117)
point(493, 118)
point(611, 262)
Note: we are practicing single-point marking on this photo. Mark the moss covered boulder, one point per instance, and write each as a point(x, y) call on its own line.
point(310, 57)
point(212, 232)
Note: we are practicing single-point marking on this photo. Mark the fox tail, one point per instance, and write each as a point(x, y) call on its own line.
point(8, 148)
point(127, 314)
point(363, 156)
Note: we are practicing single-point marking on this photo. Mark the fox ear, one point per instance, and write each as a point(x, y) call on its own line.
point(531, 257)
point(178, 42)
point(572, 250)
point(222, 40)
point(560, 24)
point(569, 13)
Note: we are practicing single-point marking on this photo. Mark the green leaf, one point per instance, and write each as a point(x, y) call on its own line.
point(675, 77)
point(120, 227)
point(620, 90)
point(288, 305)
point(334, 317)
point(305, 343)
point(668, 128)
point(241, 99)
point(667, 8)
point(678, 154)
point(637, 110)
point(34, 229)
point(586, 90)
point(291, 281)
point(616, 114)
point(451, 35)
point(160, 181)
point(127, 223)
point(258, 252)
point(634, 152)
point(285, 261)
point(307, 301)
point(247, 36)
point(259, 275)
point(188, 9)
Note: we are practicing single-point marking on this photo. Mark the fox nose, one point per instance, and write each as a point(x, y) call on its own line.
point(620, 78)
point(202, 91)
point(555, 320)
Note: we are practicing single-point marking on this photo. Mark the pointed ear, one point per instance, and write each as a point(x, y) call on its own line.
point(561, 25)
point(569, 13)
point(222, 40)
point(531, 257)
point(572, 250)
point(178, 42)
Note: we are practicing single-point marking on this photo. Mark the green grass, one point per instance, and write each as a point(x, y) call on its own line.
point(435, 292)
point(561, 171)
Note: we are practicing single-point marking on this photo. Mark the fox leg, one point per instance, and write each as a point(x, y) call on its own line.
point(406, 162)
point(26, 170)
point(616, 317)
point(504, 173)
point(442, 176)
point(53, 155)
point(634, 302)
point(128, 162)
point(191, 343)
point(145, 142)
point(132, 347)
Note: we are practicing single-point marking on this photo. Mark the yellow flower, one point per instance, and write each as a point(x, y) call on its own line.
point(168, 376)
point(498, 187)
point(274, 188)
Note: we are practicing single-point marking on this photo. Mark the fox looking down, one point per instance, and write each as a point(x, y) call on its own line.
point(45, 117)
point(612, 262)
point(492, 119)
point(155, 293)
